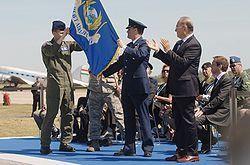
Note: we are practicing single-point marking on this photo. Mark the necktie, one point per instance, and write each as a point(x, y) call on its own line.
point(215, 81)
point(132, 45)
point(179, 44)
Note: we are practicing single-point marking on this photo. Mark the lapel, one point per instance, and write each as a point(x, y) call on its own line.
point(183, 45)
point(219, 82)
point(130, 45)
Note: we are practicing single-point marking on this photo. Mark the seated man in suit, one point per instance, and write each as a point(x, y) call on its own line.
point(216, 111)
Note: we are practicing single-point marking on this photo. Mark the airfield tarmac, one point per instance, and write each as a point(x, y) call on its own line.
point(25, 96)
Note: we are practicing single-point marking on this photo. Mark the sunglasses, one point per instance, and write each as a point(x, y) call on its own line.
point(165, 71)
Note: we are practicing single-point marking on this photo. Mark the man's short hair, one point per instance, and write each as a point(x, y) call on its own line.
point(206, 65)
point(221, 60)
point(186, 21)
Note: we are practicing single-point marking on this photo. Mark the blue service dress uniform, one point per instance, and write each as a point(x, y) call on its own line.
point(135, 91)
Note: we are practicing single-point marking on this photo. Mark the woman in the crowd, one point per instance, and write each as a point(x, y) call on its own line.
point(162, 100)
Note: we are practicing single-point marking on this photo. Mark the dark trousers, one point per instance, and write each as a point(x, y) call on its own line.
point(203, 130)
point(36, 102)
point(140, 104)
point(185, 137)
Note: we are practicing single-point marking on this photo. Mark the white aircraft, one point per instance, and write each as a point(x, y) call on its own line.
point(24, 76)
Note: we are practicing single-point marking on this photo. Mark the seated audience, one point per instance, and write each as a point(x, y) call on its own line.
point(240, 80)
point(216, 111)
point(39, 116)
point(81, 121)
point(163, 116)
point(206, 84)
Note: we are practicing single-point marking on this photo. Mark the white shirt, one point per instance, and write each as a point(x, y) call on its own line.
point(219, 76)
point(185, 39)
point(124, 46)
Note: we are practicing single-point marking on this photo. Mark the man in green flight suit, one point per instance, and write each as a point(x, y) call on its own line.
point(241, 80)
point(56, 55)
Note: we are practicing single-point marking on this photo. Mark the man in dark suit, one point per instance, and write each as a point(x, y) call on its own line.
point(216, 111)
point(135, 89)
point(184, 86)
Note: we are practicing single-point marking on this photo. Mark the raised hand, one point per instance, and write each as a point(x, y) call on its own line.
point(165, 44)
point(120, 43)
point(153, 45)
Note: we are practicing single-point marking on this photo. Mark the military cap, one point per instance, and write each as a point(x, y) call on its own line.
point(58, 25)
point(206, 65)
point(150, 66)
point(234, 59)
point(137, 24)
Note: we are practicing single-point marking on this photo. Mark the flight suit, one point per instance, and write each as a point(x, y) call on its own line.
point(59, 91)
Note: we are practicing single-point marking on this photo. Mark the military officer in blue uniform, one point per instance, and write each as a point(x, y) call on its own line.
point(135, 89)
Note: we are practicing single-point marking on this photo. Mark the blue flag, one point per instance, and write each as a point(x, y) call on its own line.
point(92, 30)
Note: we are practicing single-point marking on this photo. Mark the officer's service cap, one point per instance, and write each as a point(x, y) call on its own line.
point(234, 59)
point(135, 24)
point(58, 25)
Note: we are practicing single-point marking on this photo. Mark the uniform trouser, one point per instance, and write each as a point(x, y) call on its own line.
point(56, 98)
point(140, 104)
point(96, 102)
point(36, 102)
point(203, 133)
point(185, 137)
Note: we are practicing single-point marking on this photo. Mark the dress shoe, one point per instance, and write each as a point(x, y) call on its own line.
point(45, 150)
point(123, 152)
point(147, 154)
point(188, 158)
point(66, 148)
point(205, 149)
point(173, 157)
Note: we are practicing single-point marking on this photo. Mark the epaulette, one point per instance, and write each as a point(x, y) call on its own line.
point(47, 43)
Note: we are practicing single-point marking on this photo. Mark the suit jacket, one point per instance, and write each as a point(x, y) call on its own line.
point(184, 63)
point(134, 62)
point(217, 109)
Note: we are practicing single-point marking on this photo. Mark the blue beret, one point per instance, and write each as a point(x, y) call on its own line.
point(137, 24)
point(234, 59)
point(58, 25)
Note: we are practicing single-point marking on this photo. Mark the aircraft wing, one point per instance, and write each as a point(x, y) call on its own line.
point(19, 80)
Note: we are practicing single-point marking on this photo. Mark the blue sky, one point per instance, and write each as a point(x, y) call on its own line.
point(221, 26)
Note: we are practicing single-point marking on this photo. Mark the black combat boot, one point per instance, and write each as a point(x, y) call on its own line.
point(94, 146)
point(66, 148)
point(45, 150)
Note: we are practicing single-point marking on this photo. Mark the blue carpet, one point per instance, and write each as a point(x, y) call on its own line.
point(31, 146)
